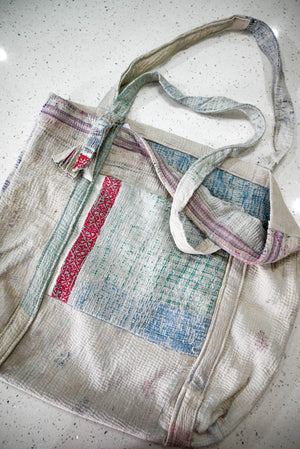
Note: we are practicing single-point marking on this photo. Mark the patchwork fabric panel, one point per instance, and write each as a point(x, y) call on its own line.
point(125, 269)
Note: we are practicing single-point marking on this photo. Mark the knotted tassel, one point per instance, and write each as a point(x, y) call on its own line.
point(81, 157)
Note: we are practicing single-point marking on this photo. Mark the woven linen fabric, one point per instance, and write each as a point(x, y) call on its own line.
point(152, 289)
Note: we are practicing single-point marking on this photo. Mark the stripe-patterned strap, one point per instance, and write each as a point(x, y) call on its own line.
point(137, 74)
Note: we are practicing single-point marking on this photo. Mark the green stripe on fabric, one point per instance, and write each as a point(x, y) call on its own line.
point(31, 300)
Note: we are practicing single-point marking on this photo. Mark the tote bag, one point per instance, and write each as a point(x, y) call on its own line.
point(152, 289)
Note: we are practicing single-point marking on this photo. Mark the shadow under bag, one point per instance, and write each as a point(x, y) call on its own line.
point(152, 289)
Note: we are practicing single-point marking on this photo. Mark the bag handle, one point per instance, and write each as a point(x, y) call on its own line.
point(158, 56)
point(284, 115)
point(192, 179)
point(202, 167)
point(76, 160)
point(283, 107)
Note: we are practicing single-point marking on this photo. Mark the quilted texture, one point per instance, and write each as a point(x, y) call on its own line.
point(150, 290)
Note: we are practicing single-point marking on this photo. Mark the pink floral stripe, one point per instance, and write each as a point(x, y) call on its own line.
point(81, 161)
point(86, 240)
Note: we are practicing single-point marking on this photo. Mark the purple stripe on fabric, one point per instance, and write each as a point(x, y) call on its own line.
point(278, 246)
point(246, 248)
point(129, 132)
point(66, 115)
point(212, 227)
point(228, 236)
point(70, 106)
point(132, 150)
point(235, 241)
point(272, 247)
point(167, 173)
point(135, 149)
point(134, 144)
point(66, 122)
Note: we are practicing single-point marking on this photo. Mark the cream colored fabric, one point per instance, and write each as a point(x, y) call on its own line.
point(88, 364)
point(174, 397)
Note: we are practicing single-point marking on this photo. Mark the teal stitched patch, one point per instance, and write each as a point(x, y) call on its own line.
point(135, 277)
point(252, 198)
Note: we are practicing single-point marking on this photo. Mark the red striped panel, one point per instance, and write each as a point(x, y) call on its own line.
point(86, 240)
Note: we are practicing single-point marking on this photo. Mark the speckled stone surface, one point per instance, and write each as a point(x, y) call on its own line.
point(78, 49)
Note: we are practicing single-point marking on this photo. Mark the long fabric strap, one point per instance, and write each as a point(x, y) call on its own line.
point(135, 78)
point(284, 115)
point(283, 107)
point(202, 167)
point(80, 157)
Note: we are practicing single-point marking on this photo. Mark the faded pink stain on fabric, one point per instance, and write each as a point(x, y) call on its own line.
point(261, 340)
point(148, 388)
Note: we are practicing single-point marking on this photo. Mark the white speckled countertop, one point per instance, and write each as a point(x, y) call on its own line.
point(78, 49)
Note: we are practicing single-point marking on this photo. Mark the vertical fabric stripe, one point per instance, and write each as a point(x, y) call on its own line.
point(86, 240)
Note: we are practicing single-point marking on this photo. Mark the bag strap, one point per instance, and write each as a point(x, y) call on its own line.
point(283, 107)
point(284, 114)
point(76, 160)
point(136, 76)
point(194, 177)
point(158, 56)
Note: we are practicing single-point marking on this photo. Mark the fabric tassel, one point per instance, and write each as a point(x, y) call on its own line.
point(69, 159)
point(79, 158)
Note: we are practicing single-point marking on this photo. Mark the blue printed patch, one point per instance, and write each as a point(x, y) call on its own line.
point(135, 277)
point(253, 198)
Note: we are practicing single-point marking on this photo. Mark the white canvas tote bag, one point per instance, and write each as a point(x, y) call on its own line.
point(154, 287)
